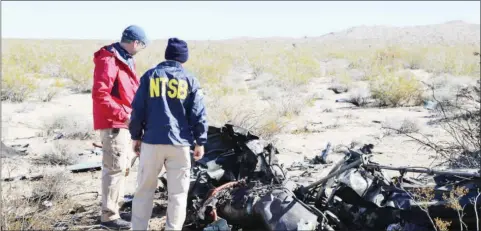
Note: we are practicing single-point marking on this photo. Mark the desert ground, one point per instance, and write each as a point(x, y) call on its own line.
point(283, 89)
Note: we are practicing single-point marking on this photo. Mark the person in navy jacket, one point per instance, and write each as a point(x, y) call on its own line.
point(168, 117)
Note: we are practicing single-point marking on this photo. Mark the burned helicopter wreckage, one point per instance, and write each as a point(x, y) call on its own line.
point(239, 184)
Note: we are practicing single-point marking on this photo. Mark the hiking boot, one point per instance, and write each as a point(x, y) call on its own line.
point(117, 224)
point(125, 216)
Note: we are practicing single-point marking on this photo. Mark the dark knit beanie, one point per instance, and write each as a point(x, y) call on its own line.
point(177, 50)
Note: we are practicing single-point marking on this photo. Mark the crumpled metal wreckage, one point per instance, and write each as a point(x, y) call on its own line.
point(239, 185)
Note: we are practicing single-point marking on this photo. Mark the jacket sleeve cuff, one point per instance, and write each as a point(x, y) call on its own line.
point(200, 142)
point(135, 132)
point(136, 137)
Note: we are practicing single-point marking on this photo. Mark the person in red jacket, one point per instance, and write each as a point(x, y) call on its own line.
point(115, 83)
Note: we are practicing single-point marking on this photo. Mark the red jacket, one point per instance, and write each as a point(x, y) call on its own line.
point(114, 87)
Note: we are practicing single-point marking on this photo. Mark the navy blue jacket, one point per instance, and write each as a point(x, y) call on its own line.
point(168, 107)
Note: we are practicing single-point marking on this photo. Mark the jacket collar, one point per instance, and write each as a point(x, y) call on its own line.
point(171, 63)
point(115, 53)
point(122, 52)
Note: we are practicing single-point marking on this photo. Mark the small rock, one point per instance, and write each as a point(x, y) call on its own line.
point(97, 151)
point(60, 226)
point(339, 89)
point(47, 204)
point(86, 152)
point(77, 209)
point(58, 136)
point(20, 145)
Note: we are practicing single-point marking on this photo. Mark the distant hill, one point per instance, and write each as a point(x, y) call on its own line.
point(449, 33)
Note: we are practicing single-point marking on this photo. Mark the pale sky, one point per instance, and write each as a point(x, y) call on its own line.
point(219, 20)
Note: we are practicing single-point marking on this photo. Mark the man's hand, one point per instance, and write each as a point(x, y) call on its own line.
point(198, 152)
point(136, 147)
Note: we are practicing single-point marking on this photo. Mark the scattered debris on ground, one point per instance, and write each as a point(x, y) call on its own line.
point(239, 184)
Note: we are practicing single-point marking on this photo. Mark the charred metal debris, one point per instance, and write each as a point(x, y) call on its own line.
point(239, 185)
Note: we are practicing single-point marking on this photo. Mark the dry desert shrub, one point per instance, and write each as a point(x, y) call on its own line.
point(446, 87)
point(79, 71)
point(402, 126)
point(47, 204)
point(60, 153)
point(460, 118)
point(50, 91)
point(296, 67)
point(341, 83)
point(212, 61)
point(260, 117)
point(17, 86)
point(456, 60)
point(69, 125)
point(394, 89)
point(360, 97)
point(70, 60)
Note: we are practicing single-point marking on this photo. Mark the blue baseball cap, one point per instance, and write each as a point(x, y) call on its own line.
point(134, 32)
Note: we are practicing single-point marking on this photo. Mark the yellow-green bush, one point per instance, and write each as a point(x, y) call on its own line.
point(258, 62)
point(292, 63)
point(295, 66)
point(53, 89)
point(211, 66)
point(79, 70)
point(17, 86)
point(395, 89)
point(456, 60)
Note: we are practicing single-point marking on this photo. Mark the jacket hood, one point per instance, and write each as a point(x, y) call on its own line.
point(103, 53)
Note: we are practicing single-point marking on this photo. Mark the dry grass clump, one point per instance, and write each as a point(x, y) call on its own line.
point(59, 154)
point(52, 90)
point(360, 97)
point(47, 204)
point(341, 83)
point(290, 106)
point(447, 87)
point(69, 126)
point(401, 126)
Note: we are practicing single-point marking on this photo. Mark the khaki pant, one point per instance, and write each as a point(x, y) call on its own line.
point(152, 159)
point(115, 158)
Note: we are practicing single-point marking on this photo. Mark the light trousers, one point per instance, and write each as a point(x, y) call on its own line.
point(116, 155)
point(177, 162)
